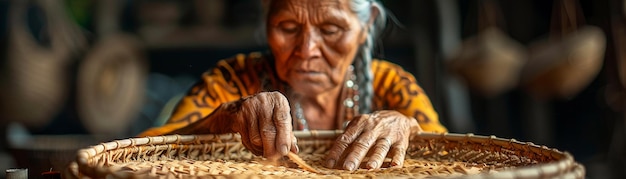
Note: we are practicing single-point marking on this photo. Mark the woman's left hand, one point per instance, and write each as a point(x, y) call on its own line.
point(379, 134)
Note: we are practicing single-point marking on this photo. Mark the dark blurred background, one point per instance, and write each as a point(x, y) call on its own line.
point(79, 72)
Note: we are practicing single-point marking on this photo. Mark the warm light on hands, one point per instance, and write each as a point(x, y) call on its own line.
point(378, 135)
point(265, 125)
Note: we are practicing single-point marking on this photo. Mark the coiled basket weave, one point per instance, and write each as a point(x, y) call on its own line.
point(224, 156)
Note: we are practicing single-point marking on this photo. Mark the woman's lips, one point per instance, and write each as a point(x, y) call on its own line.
point(308, 73)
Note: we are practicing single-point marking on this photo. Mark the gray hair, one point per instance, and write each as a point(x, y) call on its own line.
point(363, 60)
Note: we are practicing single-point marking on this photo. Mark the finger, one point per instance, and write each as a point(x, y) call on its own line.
point(268, 135)
point(359, 149)
point(381, 148)
point(398, 152)
point(249, 126)
point(267, 127)
point(282, 121)
point(253, 129)
point(294, 144)
point(244, 131)
point(341, 143)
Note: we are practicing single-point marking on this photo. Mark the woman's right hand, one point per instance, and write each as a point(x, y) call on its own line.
point(265, 125)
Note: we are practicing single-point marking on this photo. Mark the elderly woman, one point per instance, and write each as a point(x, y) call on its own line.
point(319, 76)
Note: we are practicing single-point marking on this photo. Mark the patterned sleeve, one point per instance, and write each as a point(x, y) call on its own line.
point(219, 85)
point(398, 90)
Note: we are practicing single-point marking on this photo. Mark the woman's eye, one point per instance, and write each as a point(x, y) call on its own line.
point(329, 29)
point(289, 27)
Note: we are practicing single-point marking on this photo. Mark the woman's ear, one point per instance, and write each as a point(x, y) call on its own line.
point(374, 13)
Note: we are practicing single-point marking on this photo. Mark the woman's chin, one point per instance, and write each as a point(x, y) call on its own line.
point(308, 88)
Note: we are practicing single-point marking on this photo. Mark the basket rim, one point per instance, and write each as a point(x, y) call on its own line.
point(564, 160)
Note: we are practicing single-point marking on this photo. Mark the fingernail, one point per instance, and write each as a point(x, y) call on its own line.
point(372, 164)
point(349, 166)
point(283, 150)
point(297, 149)
point(330, 163)
point(394, 164)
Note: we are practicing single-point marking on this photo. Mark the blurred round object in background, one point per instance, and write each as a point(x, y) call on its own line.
point(567, 62)
point(111, 84)
point(565, 67)
point(35, 87)
point(490, 62)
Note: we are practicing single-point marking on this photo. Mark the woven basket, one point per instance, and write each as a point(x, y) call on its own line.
point(35, 78)
point(223, 156)
point(570, 59)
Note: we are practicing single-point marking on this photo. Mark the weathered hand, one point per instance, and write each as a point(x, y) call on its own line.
point(380, 134)
point(264, 123)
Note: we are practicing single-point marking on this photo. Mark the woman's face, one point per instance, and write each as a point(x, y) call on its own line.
point(313, 42)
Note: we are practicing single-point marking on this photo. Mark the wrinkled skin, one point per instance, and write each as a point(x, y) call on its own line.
point(383, 133)
point(314, 43)
point(264, 122)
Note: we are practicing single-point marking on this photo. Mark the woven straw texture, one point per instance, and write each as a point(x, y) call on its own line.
point(223, 156)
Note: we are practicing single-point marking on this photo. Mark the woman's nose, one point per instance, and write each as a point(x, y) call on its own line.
point(309, 44)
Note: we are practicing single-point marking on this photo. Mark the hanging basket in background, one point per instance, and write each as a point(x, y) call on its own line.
point(489, 62)
point(565, 64)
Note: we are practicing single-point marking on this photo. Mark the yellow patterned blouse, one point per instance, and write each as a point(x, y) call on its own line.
point(243, 75)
